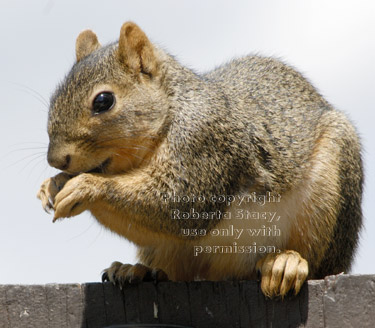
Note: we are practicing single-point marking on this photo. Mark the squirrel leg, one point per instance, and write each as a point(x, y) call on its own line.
point(282, 272)
point(120, 274)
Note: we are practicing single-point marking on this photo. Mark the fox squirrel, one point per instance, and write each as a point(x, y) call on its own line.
point(242, 171)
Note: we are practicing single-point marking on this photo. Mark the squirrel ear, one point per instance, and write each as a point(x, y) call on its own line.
point(135, 50)
point(86, 43)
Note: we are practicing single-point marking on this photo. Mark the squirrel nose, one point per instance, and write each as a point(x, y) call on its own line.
point(60, 162)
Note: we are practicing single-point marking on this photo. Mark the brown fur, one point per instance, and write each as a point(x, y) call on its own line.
point(252, 125)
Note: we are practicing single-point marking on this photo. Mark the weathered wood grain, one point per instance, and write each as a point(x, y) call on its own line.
point(337, 301)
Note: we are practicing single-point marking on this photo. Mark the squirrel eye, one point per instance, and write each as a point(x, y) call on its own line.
point(103, 102)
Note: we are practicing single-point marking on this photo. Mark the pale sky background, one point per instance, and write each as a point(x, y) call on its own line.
point(331, 42)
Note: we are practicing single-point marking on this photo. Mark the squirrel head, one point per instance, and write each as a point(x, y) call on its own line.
point(110, 111)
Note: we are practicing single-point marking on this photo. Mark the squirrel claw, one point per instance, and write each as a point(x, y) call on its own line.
point(158, 275)
point(282, 273)
point(105, 276)
point(120, 274)
point(49, 189)
point(47, 207)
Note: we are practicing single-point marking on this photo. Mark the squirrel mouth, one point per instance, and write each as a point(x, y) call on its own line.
point(100, 168)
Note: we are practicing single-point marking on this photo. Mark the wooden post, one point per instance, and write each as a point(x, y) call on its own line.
point(338, 301)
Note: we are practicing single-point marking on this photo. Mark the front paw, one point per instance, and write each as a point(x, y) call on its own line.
point(76, 196)
point(120, 274)
point(282, 272)
point(50, 188)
